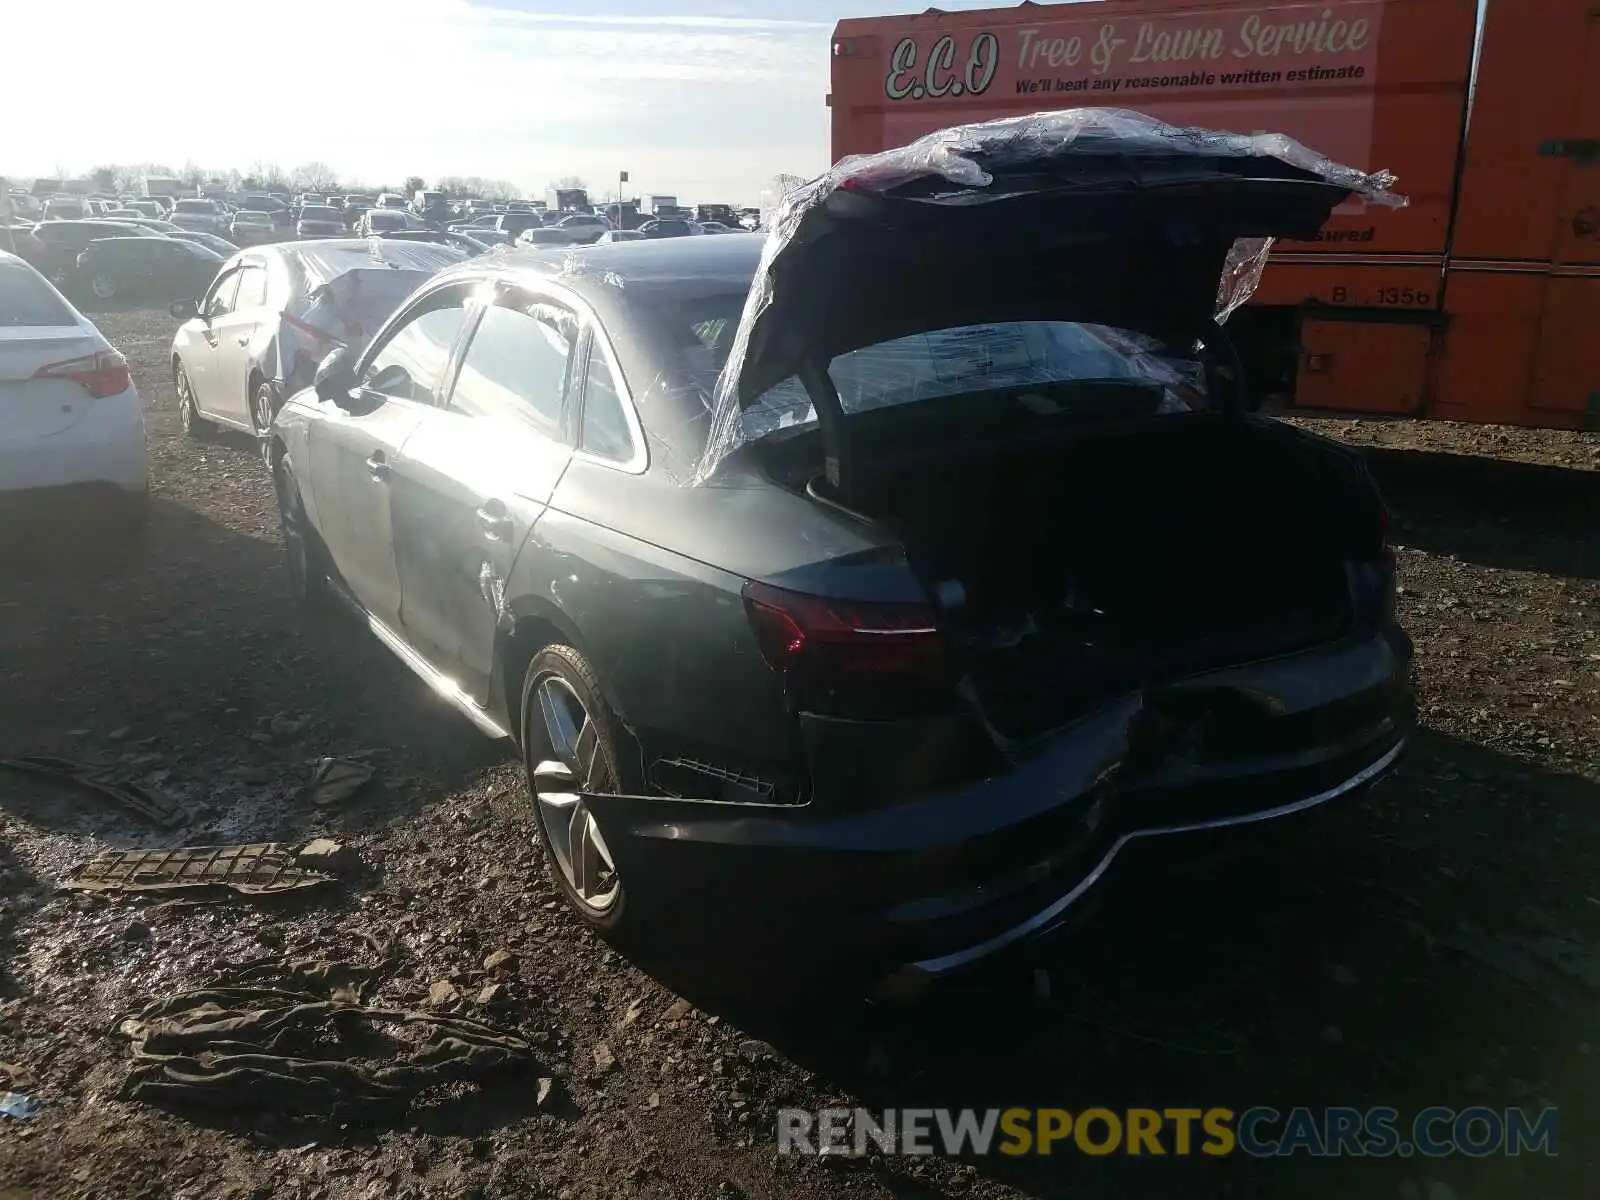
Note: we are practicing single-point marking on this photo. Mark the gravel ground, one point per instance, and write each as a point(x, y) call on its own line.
point(1434, 944)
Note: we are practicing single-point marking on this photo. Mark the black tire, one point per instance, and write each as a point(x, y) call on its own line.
point(195, 427)
point(303, 551)
point(621, 917)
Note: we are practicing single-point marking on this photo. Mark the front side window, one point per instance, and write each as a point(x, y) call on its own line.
point(252, 288)
point(515, 369)
point(219, 303)
point(411, 362)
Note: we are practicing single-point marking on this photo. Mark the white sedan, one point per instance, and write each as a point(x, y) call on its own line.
point(71, 425)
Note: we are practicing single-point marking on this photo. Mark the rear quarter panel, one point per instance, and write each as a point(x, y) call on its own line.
point(647, 575)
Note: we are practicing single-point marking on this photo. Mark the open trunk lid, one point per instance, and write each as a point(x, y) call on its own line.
point(1101, 216)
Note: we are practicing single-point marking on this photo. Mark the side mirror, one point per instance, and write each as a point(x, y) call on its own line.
point(336, 375)
point(184, 310)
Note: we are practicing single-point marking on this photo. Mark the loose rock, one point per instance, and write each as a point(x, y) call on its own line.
point(500, 960)
point(441, 993)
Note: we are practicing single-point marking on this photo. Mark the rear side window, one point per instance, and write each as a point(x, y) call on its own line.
point(26, 300)
point(515, 369)
point(605, 428)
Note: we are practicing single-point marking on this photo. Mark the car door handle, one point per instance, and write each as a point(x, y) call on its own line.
point(494, 521)
point(378, 467)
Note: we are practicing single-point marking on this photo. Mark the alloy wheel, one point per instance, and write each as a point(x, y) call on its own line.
point(261, 415)
point(573, 835)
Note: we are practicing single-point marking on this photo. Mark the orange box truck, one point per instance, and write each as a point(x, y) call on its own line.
point(1479, 301)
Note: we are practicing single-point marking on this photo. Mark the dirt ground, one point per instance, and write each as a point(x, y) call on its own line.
point(1434, 944)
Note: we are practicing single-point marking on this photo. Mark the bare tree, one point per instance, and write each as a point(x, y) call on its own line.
point(571, 182)
point(414, 184)
point(314, 177)
point(772, 195)
point(269, 175)
point(192, 175)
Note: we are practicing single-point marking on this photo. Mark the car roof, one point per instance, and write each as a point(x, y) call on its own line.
point(597, 273)
point(328, 258)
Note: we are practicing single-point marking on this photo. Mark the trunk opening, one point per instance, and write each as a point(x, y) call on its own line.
point(1068, 571)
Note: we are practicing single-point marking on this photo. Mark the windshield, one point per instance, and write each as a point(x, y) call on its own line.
point(196, 206)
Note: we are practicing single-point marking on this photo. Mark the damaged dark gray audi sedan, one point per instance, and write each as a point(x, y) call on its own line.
point(885, 579)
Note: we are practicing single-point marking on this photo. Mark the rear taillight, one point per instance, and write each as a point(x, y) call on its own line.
point(103, 374)
point(873, 655)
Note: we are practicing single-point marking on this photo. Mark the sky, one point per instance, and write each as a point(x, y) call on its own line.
point(705, 99)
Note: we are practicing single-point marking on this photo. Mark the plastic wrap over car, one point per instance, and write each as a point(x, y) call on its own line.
point(969, 157)
point(341, 292)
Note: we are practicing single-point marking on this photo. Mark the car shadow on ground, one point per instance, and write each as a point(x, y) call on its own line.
point(1435, 943)
point(185, 655)
point(1495, 512)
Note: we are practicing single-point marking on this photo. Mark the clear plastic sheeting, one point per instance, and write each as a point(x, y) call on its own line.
point(953, 153)
point(968, 158)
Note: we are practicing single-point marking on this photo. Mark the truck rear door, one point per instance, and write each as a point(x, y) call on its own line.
point(1523, 291)
point(1566, 370)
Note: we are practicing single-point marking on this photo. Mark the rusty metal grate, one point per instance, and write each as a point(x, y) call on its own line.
point(255, 869)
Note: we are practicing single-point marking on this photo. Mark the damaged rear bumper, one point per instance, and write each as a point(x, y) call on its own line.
point(939, 878)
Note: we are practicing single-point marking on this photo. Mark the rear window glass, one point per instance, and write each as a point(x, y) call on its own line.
point(314, 212)
point(26, 300)
point(196, 206)
point(978, 358)
point(946, 362)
